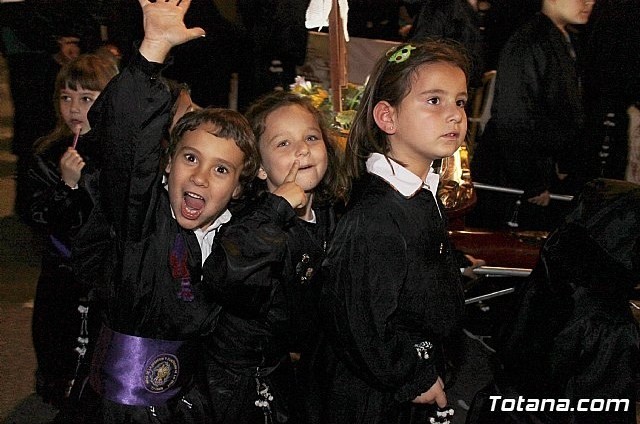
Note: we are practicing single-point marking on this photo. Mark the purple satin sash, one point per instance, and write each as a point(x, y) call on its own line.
point(134, 370)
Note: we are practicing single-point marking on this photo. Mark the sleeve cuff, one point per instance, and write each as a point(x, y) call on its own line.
point(424, 377)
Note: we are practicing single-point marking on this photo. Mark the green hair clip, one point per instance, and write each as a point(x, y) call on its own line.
point(401, 54)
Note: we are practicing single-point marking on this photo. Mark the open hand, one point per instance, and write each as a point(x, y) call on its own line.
point(290, 190)
point(164, 28)
point(71, 164)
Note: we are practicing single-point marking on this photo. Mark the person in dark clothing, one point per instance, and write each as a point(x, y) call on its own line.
point(612, 83)
point(160, 227)
point(264, 269)
point(57, 204)
point(392, 293)
point(277, 43)
point(571, 334)
point(454, 20)
point(535, 138)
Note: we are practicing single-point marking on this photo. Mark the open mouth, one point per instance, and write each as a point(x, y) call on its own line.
point(192, 205)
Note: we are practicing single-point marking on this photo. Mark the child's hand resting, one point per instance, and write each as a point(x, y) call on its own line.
point(434, 394)
point(71, 164)
point(290, 190)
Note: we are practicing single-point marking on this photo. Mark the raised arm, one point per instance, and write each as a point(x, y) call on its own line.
point(130, 118)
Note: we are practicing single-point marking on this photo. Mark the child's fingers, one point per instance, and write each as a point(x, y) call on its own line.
point(196, 32)
point(293, 172)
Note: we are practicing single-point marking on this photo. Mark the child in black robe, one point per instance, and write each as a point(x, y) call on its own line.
point(392, 292)
point(263, 271)
point(161, 227)
point(57, 204)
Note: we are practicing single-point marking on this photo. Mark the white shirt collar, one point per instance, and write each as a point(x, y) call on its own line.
point(205, 237)
point(404, 181)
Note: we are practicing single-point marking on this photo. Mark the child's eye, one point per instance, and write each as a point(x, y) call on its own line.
point(434, 101)
point(461, 102)
point(313, 138)
point(190, 158)
point(65, 98)
point(283, 143)
point(221, 169)
point(87, 99)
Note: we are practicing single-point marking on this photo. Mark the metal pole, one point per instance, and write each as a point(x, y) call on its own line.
point(482, 186)
point(502, 271)
point(489, 296)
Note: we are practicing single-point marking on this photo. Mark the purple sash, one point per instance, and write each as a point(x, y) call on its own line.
point(134, 370)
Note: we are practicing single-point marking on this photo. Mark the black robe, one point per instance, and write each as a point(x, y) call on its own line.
point(571, 334)
point(389, 282)
point(127, 250)
point(263, 273)
point(57, 212)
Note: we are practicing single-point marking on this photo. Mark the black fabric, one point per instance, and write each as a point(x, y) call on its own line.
point(55, 210)
point(263, 274)
point(136, 290)
point(572, 335)
point(537, 116)
point(454, 20)
point(390, 282)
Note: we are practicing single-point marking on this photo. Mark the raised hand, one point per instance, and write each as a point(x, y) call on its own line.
point(71, 164)
point(290, 190)
point(164, 28)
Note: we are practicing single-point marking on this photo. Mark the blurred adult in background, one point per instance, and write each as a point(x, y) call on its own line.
point(377, 19)
point(277, 43)
point(612, 82)
point(454, 20)
point(535, 138)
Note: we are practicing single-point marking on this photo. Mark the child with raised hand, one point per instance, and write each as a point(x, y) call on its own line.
point(57, 203)
point(162, 227)
point(263, 271)
point(392, 292)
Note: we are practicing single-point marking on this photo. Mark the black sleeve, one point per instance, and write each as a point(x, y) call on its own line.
point(129, 118)
point(364, 273)
point(245, 267)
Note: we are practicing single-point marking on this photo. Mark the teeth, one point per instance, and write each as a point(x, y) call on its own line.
point(195, 196)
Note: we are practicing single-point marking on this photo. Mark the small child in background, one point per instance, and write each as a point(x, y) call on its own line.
point(263, 271)
point(57, 204)
point(392, 292)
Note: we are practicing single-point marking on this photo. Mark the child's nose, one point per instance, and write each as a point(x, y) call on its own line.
point(199, 177)
point(302, 149)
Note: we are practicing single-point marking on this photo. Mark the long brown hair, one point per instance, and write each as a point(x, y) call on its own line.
point(391, 81)
point(332, 185)
point(91, 72)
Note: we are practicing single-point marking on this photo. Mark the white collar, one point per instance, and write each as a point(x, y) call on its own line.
point(404, 181)
point(222, 219)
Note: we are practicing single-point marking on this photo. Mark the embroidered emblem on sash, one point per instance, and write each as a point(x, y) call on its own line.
point(161, 373)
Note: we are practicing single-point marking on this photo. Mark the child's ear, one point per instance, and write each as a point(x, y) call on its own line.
point(167, 168)
point(384, 115)
point(262, 174)
point(237, 192)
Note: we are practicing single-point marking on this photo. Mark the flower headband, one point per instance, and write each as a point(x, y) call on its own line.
point(401, 54)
